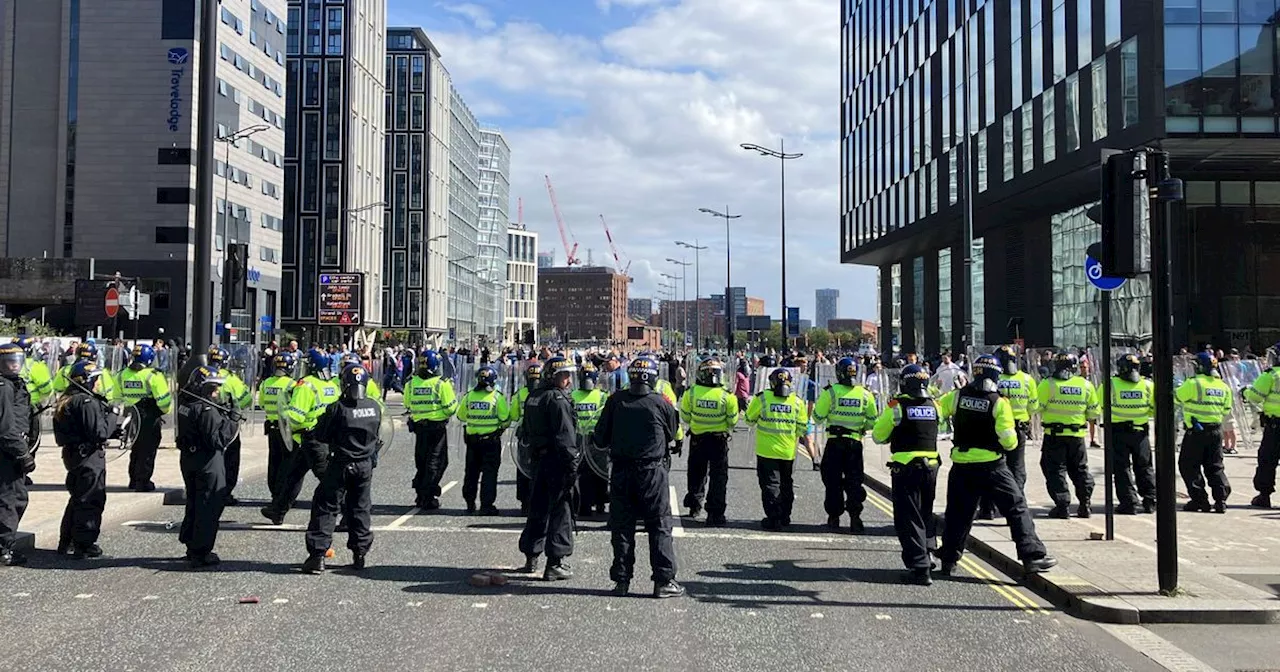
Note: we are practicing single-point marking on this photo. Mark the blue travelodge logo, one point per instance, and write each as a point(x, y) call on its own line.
point(178, 57)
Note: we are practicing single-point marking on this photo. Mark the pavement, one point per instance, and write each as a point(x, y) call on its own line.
point(1229, 564)
point(808, 598)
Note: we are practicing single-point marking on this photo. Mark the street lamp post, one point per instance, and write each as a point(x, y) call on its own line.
point(228, 141)
point(728, 293)
point(675, 279)
point(966, 234)
point(697, 288)
point(782, 156)
point(684, 282)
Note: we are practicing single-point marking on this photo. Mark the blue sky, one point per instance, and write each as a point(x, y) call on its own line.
point(636, 108)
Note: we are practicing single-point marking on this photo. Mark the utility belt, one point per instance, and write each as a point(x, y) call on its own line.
point(194, 448)
point(415, 424)
point(271, 425)
point(998, 449)
point(1056, 427)
point(710, 435)
point(920, 462)
point(1270, 420)
point(1129, 426)
point(85, 449)
point(488, 436)
point(839, 432)
point(1022, 425)
point(1205, 427)
point(148, 407)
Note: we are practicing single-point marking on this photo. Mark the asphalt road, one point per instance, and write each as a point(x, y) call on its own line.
point(805, 599)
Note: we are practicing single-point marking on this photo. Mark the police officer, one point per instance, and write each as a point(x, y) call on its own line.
point(1266, 392)
point(431, 401)
point(984, 432)
point(1133, 407)
point(781, 420)
point(1067, 403)
point(639, 427)
point(205, 429)
point(909, 424)
point(551, 429)
point(848, 410)
point(238, 396)
point(107, 387)
point(532, 378)
point(485, 414)
point(350, 428)
point(1020, 389)
point(711, 412)
point(372, 391)
point(146, 390)
point(307, 402)
point(82, 423)
point(1205, 400)
point(588, 402)
point(39, 386)
point(16, 458)
point(273, 396)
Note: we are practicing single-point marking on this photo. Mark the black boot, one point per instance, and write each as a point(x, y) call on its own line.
point(90, 551)
point(668, 589)
point(358, 562)
point(275, 518)
point(1039, 565)
point(1149, 505)
point(12, 558)
point(1059, 512)
point(855, 524)
point(833, 522)
point(530, 565)
point(918, 577)
point(313, 565)
point(1261, 502)
point(1083, 511)
point(557, 570)
point(621, 588)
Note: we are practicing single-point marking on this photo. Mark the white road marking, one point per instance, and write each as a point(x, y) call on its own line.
point(398, 522)
point(677, 528)
point(1155, 647)
point(151, 597)
point(883, 617)
point(280, 600)
point(816, 615)
point(84, 596)
point(22, 594)
point(413, 604)
point(480, 605)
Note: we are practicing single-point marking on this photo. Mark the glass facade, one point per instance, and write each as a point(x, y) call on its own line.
point(944, 296)
point(917, 305)
point(1220, 66)
point(979, 293)
point(1077, 303)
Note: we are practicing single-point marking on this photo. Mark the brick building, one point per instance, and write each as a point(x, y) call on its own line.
point(583, 303)
point(866, 328)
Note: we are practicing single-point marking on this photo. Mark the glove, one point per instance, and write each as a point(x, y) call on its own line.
point(27, 463)
point(116, 433)
point(677, 447)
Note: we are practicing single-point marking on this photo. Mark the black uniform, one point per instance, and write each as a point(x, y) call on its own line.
point(203, 434)
point(350, 427)
point(15, 460)
point(142, 455)
point(915, 482)
point(82, 425)
point(550, 427)
point(637, 428)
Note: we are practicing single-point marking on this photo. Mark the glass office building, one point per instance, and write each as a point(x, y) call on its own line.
point(1039, 88)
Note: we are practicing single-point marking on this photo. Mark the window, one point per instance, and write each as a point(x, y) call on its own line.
point(982, 160)
point(417, 112)
point(311, 84)
point(1084, 33)
point(1182, 70)
point(173, 195)
point(1007, 163)
point(332, 214)
point(417, 69)
point(1028, 136)
point(1047, 105)
point(333, 45)
point(1059, 41)
point(1257, 69)
point(172, 235)
point(1221, 57)
point(177, 22)
point(173, 156)
point(1036, 50)
point(1129, 80)
point(1072, 130)
point(1099, 81)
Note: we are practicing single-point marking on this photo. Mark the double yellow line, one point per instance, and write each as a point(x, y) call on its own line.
point(1011, 593)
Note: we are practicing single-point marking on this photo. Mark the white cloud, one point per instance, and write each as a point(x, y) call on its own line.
point(643, 125)
point(477, 14)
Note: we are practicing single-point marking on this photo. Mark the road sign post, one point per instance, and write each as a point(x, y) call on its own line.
point(112, 302)
point(341, 299)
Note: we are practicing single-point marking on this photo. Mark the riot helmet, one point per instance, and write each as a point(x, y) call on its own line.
point(847, 371)
point(913, 381)
point(31, 346)
point(558, 371)
point(428, 363)
point(986, 373)
point(643, 373)
point(533, 374)
point(711, 373)
point(486, 379)
point(84, 375)
point(87, 351)
point(205, 381)
point(1065, 365)
point(355, 382)
point(1007, 359)
point(143, 356)
point(352, 358)
point(282, 365)
point(217, 356)
point(588, 377)
point(780, 382)
point(12, 360)
point(319, 361)
point(1129, 368)
point(1207, 365)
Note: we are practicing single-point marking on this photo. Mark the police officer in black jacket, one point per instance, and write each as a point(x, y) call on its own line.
point(639, 426)
point(550, 428)
point(82, 423)
point(16, 459)
point(205, 429)
point(350, 428)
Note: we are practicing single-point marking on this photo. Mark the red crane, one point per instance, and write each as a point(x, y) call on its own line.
point(571, 254)
point(614, 247)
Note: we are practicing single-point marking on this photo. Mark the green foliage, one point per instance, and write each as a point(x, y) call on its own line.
point(28, 327)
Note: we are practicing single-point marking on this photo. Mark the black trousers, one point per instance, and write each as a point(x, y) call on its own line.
point(549, 526)
point(1130, 462)
point(777, 491)
point(639, 490)
point(276, 455)
point(593, 491)
point(1264, 478)
point(523, 483)
point(13, 500)
point(1063, 457)
point(708, 460)
point(430, 456)
point(205, 476)
point(914, 487)
point(484, 456)
point(842, 476)
point(87, 487)
point(309, 456)
point(142, 456)
point(231, 458)
point(346, 488)
point(1200, 462)
point(965, 485)
point(1017, 461)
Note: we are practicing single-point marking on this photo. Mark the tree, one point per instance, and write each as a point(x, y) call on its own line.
point(818, 338)
point(772, 339)
point(29, 327)
point(844, 339)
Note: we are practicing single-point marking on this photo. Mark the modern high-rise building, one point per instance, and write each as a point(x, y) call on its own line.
point(495, 201)
point(415, 261)
point(640, 309)
point(547, 259)
point(583, 303)
point(1047, 87)
point(464, 219)
point(97, 109)
point(826, 306)
point(334, 159)
point(739, 298)
point(521, 311)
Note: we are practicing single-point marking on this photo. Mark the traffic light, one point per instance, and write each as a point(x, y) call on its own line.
point(1125, 247)
point(235, 276)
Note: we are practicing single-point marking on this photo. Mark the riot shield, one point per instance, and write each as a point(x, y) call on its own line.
point(386, 432)
point(597, 458)
point(131, 425)
point(520, 454)
point(1239, 374)
point(243, 361)
point(285, 428)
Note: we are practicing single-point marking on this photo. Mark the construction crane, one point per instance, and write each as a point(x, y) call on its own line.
point(617, 261)
point(571, 254)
